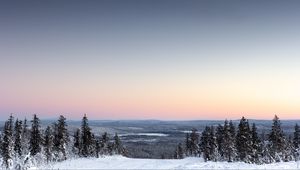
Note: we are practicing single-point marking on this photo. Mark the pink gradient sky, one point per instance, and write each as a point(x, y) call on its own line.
point(150, 59)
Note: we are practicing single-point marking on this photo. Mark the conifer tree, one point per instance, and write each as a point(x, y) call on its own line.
point(213, 145)
point(194, 142)
point(205, 145)
point(244, 141)
point(296, 142)
point(296, 139)
point(61, 138)
point(188, 150)
point(35, 138)
point(17, 138)
point(208, 144)
point(256, 145)
point(219, 136)
point(104, 143)
point(7, 146)
point(276, 140)
point(289, 150)
point(86, 138)
point(117, 146)
point(229, 149)
point(77, 142)
point(48, 143)
point(98, 148)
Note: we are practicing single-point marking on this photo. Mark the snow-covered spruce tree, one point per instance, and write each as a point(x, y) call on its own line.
point(7, 146)
point(98, 148)
point(244, 141)
point(256, 145)
point(118, 146)
point(86, 138)
point(219, 136)
point(36, 143)
point(208, 144)
point(25, 142)
point(61, 138)
point(25, 138)
point(17, 138)
point(289, 150)
point(296, 142)
point(213, 145)
point(194, 142)
point(35, 138)
point(48, 144)
point(104, 143)
point(277, 140)
point(229, 149)
point(1, 142)
point(18, 160)
point(188, 150)
point(205, 145)
point(77, 142)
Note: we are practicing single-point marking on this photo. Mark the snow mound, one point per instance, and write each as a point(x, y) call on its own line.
point(119, 162)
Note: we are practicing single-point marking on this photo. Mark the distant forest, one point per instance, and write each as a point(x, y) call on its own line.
point(225, 143)
point(26, 144)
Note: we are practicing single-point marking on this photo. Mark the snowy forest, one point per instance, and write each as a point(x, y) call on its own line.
point(225, 143)
point(24, 146)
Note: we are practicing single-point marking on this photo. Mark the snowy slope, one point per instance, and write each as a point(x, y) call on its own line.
point(119, 162)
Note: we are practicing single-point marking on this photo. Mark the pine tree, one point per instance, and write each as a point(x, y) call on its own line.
point(244, 141)
point(289, 150)
point(296, 142)
point(219, 136)
point(205, 145)
point(77, 142)
point(229, 149)
point(194, 142)
point(25, 144)
point(117, 146)
point(35, 138)
point(17, 138)
point(256, 145)
point(7, 145)
point(86, 138)
point(98, 148)
point(104, 143)
point(188, 150)
point(277, 140)
point(213, 145)
point(208, 144)
point(61, 138)
point(48, 144)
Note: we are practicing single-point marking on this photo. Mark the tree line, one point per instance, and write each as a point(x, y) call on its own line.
point(225, 143)
point(23, 146)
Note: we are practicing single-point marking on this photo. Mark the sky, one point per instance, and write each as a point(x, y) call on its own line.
point(142, 59)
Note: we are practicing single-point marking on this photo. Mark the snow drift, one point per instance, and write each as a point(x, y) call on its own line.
point(120, 162)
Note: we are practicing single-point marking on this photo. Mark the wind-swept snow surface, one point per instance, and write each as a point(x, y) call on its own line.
point(119, 162)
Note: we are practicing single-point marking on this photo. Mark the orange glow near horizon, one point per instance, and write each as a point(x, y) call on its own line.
point(256, 96)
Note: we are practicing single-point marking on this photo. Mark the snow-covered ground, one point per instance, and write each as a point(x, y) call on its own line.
point(119, 162)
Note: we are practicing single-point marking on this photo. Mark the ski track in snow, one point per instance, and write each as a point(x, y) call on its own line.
point(119, 162)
